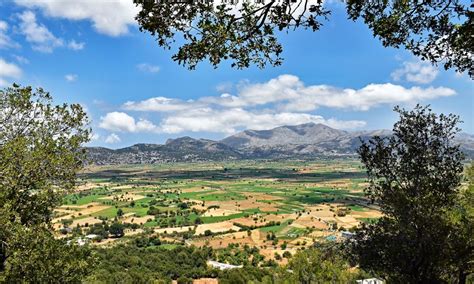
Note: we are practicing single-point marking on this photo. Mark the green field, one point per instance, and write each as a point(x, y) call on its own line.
point(234, 196)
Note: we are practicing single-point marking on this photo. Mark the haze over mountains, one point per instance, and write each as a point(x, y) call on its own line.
point(302, 141)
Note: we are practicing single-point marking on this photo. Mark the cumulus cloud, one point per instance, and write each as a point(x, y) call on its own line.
point(159, 104)
point(8, 70)
point(145, 67)
point(284, 100)
point(234, 119)
point(416, 72)
point(363, 99)
point(108, 17)
point(226, 121)
point(122, 122)
point(112, 139)
point(5, 40)
point(71, 77)
point(37, 34)
point(289, 93)
point(74, 45)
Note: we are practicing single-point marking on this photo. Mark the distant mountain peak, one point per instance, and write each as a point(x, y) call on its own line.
point(302, 134)
point(180, 139)
point(307, 140)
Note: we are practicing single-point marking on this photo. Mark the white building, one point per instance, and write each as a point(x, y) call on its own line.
point(222, 266)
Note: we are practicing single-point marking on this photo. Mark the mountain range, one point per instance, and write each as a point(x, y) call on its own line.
point(302, 141)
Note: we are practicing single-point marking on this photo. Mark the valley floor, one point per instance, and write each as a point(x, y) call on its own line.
point(274, 207)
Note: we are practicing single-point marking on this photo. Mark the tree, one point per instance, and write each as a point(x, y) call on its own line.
point(437, 31)
point(183, 205)
point(414, 176)
point(198, 221)
point(117, 230)
point(100, 230)
point(317, 266)
point(119, 212)
point(462, 241)
point(40, 153)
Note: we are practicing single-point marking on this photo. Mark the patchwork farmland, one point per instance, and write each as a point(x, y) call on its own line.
point(275, 207)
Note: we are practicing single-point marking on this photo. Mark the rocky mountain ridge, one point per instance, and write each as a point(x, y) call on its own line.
point(303, 141)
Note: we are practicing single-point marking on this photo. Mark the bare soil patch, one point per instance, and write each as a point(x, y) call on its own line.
point(124, 197)
point(219, 212)
point(138, 220)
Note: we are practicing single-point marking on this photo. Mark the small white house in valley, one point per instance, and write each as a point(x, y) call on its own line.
point(222, 266)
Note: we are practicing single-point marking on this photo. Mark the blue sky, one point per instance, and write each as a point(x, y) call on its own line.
point(92, 52)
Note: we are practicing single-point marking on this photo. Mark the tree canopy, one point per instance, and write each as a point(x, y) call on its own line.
point(415, 177)
point(245, 32)
point(40, 153)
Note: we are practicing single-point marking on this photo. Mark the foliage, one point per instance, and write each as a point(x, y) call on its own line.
point(414, 176)
point(319, 266)
point(99, 229)
point(116, 229)
point(217, 32)
point(40, 153)
point(131, 264)
point(437, 31)
point(239, 255)
point(247, 274)
point(119, 212)
point(142, 264)
point(40, 258)
point(462, 222)
point(143, 241)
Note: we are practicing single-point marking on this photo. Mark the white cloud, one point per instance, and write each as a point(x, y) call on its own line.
point(37, 34)
point(145, 67)
point(112, 139)
point(74, 45)
point(8, 70)
point(122, 122)
point(284, 87)
point(94, 137)
point(364, 99)
point(416, 72)
point(159, 104)
point(231, 120)
point(5, 40)
point(71, 77)
point(288, 93)
point(284, 100)
point(224, 87)
point(108, 17)
point(21, 59)
point(218, 121)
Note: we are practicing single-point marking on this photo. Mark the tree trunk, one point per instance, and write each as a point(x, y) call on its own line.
point(462, 277)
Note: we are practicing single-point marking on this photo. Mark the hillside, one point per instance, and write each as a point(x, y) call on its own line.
point(174, 150)
point(300, 141)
